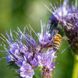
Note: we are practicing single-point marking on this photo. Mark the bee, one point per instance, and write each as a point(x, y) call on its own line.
point(54, 30)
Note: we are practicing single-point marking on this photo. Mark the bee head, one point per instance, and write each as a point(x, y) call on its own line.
point(53, 22)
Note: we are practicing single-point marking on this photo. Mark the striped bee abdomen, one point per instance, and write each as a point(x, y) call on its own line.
point(57, 41)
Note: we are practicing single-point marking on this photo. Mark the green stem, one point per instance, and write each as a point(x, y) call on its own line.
point(75, 71)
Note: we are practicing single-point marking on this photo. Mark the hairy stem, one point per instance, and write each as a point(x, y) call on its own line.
point(75, 70)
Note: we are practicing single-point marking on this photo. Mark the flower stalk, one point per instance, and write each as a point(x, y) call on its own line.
point(75, 70)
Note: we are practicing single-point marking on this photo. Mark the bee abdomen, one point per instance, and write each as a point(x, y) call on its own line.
point(57, 41)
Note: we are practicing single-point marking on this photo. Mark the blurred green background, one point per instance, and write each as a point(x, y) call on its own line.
point(19, 13)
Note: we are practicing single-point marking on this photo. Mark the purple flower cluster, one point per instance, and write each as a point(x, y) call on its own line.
point(67, 15)
point(27, 53)
point(66, 12)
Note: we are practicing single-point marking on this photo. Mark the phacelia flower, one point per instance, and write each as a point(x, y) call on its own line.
point(27, 53)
